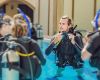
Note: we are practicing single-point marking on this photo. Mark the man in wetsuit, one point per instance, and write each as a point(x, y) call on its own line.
point(6, 24)
point(92, 50)
point(18, 35)
point(66, 50)
point(37, 59)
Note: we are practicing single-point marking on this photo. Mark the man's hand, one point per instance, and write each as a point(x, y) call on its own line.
point(85, 54)
point(71, 37)
point(57, 38)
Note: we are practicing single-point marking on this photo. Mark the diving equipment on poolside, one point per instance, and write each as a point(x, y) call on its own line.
point(39, 32)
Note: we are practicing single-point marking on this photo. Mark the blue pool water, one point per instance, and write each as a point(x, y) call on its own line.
point(49, 70)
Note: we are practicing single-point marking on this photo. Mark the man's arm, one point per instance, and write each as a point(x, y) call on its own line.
point(85, 54)
point(91, 46)
point(54, 42)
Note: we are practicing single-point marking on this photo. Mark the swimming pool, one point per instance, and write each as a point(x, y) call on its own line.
point(49, 70)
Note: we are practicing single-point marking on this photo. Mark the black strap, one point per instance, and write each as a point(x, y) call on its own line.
point(9, 64)
point(13, 65)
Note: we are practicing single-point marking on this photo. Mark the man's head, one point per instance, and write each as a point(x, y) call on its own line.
point(6, 26)
point(64, 24)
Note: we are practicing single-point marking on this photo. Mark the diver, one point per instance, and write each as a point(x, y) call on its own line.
point(67, 45)
point(31, 54)
point(91, 50)
point(6, 24)
point(37, 59)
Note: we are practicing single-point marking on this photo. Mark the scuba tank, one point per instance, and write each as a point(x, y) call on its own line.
point(8, 59)
point(40, 35)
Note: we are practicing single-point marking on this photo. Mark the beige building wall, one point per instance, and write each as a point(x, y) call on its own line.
point(44, 15)
point(97, 4)
point(36, 11)
point(31, 2)
point(68, 8)
point(10, 11)
point(60, 11)
point(51, 17)
point(83, 13)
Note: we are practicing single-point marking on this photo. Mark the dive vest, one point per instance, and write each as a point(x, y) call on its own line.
point(69, 53)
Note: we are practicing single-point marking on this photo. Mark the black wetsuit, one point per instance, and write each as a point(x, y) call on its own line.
point(68, 53)
point(34, 33)
point(31, 46)
point(94, 49)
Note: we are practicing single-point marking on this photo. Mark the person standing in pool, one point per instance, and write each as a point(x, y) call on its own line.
point(6, 25)
point(37, 59)
point(66, 51)
point(91, 50)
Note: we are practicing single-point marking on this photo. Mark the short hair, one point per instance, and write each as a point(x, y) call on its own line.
point(69, 20)
point(6, 20)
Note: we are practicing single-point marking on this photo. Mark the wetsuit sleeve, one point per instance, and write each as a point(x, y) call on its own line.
point(94, 43)
point(50, 48)
point(38, 52)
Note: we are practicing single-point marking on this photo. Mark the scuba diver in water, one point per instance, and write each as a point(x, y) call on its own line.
point(37, 59)
point(6, 25)
point(31, 57)
point(67, 45)
point(91, 50)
